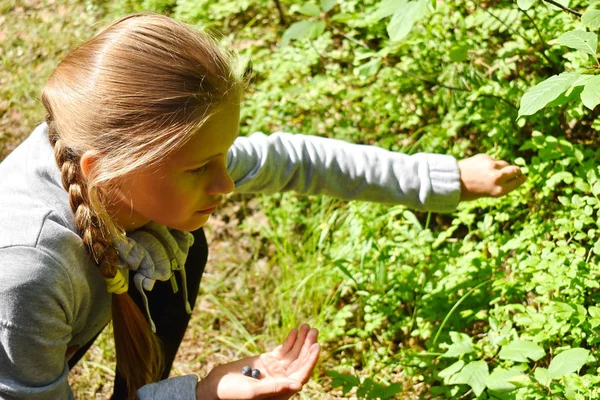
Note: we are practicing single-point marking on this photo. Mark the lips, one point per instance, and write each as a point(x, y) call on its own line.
point(209, 210)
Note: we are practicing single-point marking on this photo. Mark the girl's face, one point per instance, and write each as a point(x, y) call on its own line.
point(184, 190)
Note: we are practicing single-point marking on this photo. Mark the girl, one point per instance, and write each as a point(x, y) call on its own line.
point(102, 210)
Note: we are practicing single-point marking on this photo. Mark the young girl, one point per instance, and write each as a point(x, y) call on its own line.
point(102, 209)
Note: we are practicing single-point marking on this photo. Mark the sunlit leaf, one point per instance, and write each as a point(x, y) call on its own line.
point(310, 9)
point(525, 4)
point(473, 374)
point(567, 362)
point(521, 351)
point(541, 375)
point(544, 92)
point(403, 20)
point(327, 5)
point(499, 379)
point(459, 53)
point(586, 42)
point(302, 30)
point(387, 8)
point(590, 96)
point(591, 17)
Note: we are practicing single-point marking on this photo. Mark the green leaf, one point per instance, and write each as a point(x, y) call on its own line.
point(459, 53)
point(544, 92)
point(391, 391)
point(591, 93)
point(412, 218)
point(461, 344)
point(572, 94)
point(521, 350)
point(302, 30)
point(310, 9)
point(560, 310)
point(473, 374)
point(586, 42)
point(541, 375)
point(342, 17)
point(451, 370)
point(348, 382)
point(499, 379)
point(583, 79)
point(369, 68)
point(567, 362)
point(525, 4)
point(327, 5)
point(404, 19)
point(520, 381)
point(594, 311)
point(387, 8)
point(591, 17)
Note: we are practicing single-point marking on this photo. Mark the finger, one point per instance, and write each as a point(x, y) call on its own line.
point(501, 164)
point(304, 371)
point(300, 339)
point(511, 185)
point(509, 173)
point(266, 388)
point(288, 344)
point(311, 338)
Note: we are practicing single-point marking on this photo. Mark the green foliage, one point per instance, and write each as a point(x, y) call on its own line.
point(498, 300)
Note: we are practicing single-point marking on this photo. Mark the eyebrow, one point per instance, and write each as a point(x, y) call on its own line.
point(198, 163)
point(205, 160)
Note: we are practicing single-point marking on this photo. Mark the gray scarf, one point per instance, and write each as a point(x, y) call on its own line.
point(155, 252)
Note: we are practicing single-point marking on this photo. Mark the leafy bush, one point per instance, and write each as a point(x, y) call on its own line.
point(498, 300)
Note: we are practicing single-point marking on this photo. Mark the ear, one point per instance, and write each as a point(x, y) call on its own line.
point(87, 162)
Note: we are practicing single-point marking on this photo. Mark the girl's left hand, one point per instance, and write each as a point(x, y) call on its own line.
point(283, 371)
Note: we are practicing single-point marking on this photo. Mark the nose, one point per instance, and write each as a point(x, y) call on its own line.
point(221, 183)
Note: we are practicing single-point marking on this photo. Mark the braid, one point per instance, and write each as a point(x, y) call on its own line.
point(86, 220)
point(139, 356)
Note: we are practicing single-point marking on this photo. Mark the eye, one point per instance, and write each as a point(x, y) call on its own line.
point(198, 170)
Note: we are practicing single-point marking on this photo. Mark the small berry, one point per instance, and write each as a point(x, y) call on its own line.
point(255, 373)
point(247, 370)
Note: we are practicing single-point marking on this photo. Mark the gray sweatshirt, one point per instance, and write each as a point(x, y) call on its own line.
point(52, 296)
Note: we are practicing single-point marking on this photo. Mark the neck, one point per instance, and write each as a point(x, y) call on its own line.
point(125, 217)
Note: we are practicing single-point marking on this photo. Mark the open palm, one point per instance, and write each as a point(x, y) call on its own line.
point(283, 371)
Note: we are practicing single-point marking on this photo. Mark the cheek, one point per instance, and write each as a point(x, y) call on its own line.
point(176, 193)
point(149, 194)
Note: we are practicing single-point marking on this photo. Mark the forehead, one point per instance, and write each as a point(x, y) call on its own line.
point(213, 138)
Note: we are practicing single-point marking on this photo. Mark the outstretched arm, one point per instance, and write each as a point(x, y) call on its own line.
point(314, 165)
point(284, 370)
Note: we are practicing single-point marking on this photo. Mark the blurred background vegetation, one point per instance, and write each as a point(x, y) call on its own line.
point(479, 303)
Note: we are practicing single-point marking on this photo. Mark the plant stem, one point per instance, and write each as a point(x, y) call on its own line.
point(543, 52)
point(567, 9)
point(505, 101)
point(508, 26)
point(437, 335)
point(433, 82)
point(281, 14)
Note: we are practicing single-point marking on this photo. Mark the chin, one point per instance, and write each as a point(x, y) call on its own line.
point(192, 224)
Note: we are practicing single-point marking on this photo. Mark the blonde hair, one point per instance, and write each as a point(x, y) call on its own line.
point(134, 93)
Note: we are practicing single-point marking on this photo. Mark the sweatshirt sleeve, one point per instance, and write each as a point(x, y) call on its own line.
point(34, 328)
point(179, 387)
point(314, 165)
